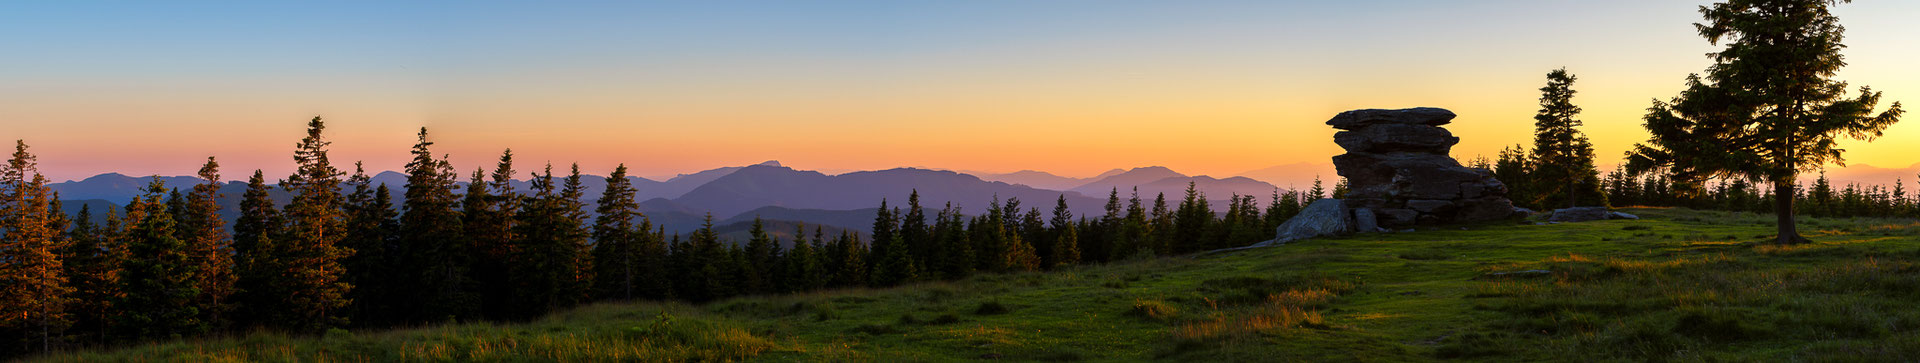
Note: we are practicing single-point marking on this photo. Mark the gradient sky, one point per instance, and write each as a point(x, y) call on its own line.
point(1072, 87)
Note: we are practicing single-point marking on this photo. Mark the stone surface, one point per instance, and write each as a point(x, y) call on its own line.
point(1398, 217)
point(1397, 166)
point(1364, 221)
point(1415, 116)
point(1428, 206)
point(1618, 215)
point(1386, 138)
point(1325, 217)
point(1580, 214)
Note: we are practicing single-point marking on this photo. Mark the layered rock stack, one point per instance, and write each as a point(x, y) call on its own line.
point(1399, 173)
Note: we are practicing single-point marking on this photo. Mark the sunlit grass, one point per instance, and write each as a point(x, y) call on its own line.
point(1678, 285)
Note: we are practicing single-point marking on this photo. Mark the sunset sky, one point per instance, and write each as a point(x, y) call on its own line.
point(1070, 87)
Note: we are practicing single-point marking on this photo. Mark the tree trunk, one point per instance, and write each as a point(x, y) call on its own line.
point(1783, 208)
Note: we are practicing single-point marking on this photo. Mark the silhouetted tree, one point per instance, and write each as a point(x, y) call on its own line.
point(1768, 108)
point(1563, 173)
point(307, 253)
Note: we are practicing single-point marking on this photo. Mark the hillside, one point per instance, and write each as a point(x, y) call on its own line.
point(1678, 285)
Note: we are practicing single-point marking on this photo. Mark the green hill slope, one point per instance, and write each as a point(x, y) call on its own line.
point(1679, 285)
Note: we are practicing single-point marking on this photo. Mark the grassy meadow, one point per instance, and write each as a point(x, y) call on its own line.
point(1678, 285)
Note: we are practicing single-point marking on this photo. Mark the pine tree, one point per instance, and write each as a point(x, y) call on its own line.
point(548, 267)
point(487, 216)
point(616, 238)
point(955, 258)
point(1194, 218)
point(916, 235)
point(757, 269)
point(372, 230)
point(33, 290)
point(1162, 225)
point(1768, 108)
point(1515, 169)
point(1136, 232)
point(210, 247)
point(92, 262)
point(848, 257)
point(799, 268)
point(890, 264)
point(308, 255)
point(255, 233)
point(159, 278)
point(1066, 246)
point(1563, 169)
point(1054, 254)
point(430, 242)
point(706, 265)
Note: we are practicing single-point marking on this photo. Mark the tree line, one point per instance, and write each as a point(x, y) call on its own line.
point(343, 253)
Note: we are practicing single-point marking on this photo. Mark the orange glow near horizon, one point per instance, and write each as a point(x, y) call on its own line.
point(1067, 103)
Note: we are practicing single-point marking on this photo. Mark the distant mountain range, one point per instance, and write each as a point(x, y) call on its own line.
point(782, 196)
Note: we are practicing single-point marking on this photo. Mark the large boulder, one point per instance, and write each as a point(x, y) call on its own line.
point(1325, 217)
point(1580, 214)
point(1356, 119)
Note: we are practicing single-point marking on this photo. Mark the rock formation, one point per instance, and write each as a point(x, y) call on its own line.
point(1399, 172)
point(1325, 217)
point(1584, 214)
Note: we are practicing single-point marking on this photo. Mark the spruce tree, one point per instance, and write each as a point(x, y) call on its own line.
point(1062, 219)
point(706, 274)
point(430, 242)
point(1563, 169)
point(308, 255)
point(760, 265)
point(848, 257)
point(549, 266)
point(254, 234)
point(487, 217)
point(210, 247)
point(1066, 243)
point(1768, 108)
point(955, 256)
point(916, 235)
point(890, 264)
point(159, 280)
point(1194, 218)
point(33, 288)
point(615, 238)
point(800, 267)
point(92, 265)
point(372, 230)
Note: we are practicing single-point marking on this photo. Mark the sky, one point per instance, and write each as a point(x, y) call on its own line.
point(1073, 87)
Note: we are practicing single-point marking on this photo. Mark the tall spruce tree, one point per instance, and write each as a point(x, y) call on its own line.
point(255, 233)
point(308, 252)
point(210, 247)
point(33, 290)
point(430, 241)
point(890, 264)
point(616, 237)
point(550, 239)
point(159, 281)
point(1563, 171)
point(800, 267)
point(92, 263)
point(1194, 218)
point(1768, 108)
point(759, 266)
point(487, 216)
point(916, 235)
point(955, 256)
point(372, 232)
